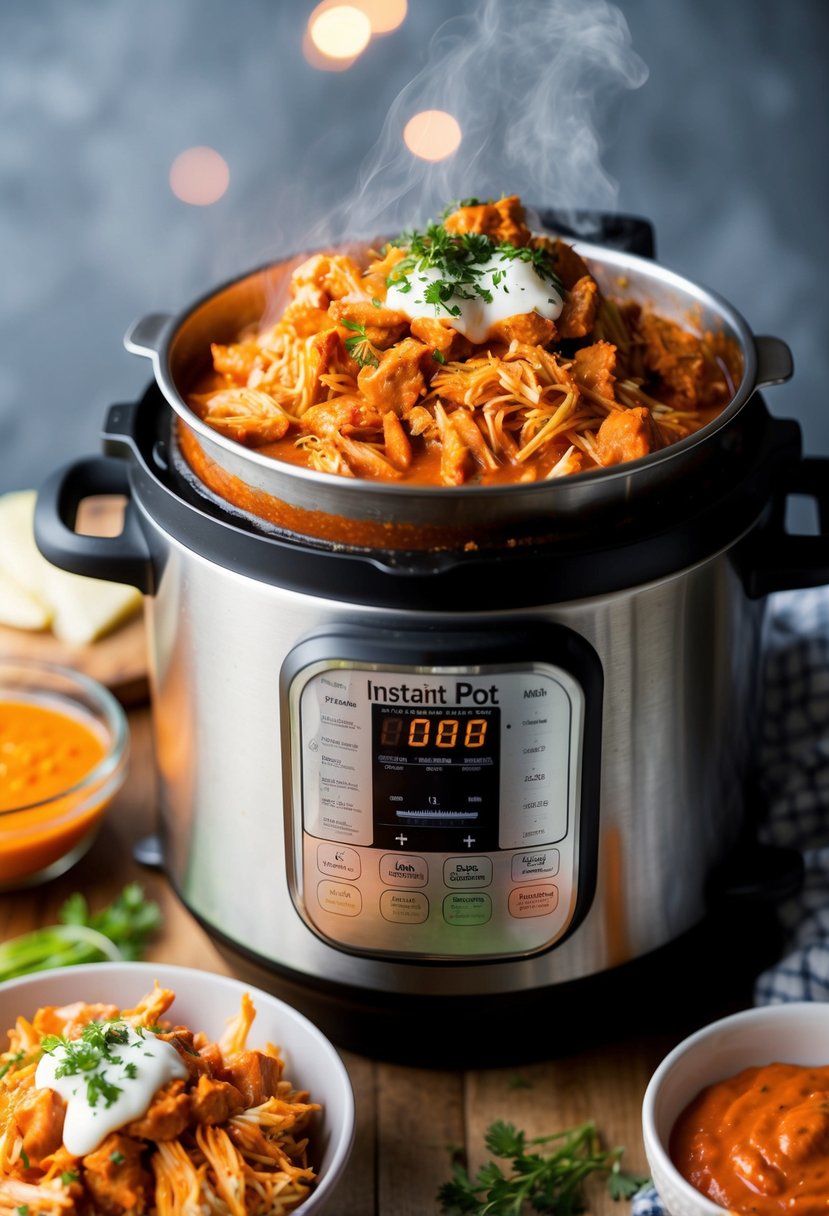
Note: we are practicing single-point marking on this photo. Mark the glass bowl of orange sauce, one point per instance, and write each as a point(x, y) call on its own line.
point(64, 744)
point(736, 1118)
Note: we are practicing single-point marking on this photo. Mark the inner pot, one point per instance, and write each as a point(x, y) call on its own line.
point(385, 515)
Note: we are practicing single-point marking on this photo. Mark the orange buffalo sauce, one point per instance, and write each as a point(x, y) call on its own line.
point(758, 1142)
point(45, 754)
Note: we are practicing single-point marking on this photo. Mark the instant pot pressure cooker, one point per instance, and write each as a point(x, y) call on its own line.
point(431, 785)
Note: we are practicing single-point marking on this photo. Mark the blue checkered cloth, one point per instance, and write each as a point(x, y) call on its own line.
point(793, 775)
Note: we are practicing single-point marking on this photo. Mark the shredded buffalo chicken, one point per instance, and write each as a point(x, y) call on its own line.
point(230, 1139)
point(344, 384)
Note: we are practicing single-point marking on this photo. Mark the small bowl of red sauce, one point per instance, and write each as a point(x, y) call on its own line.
point(736, 1118)
point(64, 743)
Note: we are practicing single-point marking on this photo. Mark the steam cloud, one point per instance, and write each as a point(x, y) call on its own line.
point(531, 83)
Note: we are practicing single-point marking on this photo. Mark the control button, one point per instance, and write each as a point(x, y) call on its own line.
point(338, 861)
point(464, 872)
point(533, 901)
point(404, 907)
point(340, 898)
point(403, 870)
point(467, 909)
point(535, 863)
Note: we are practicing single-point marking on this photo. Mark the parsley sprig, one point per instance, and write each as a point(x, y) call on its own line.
point(91, 1057)
point(462, 259)
point(359, 346)
point(540, 1182)
point(119, 931)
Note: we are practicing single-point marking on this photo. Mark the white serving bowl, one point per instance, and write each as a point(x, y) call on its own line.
point(205, 1001)
point(790, 1033)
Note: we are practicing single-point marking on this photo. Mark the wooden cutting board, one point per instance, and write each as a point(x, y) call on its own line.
point(118, 660)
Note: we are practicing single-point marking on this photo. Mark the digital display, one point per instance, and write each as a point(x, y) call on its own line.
point(436, 777)
point(423, 732)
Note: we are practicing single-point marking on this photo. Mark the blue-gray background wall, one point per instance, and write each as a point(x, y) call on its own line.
point(709, 117)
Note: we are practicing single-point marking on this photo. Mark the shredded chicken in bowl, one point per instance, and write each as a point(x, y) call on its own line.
point(227, 1134)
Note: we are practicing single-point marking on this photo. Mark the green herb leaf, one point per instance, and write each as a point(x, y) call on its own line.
point(461, 260)
point(119, 931)
point(89, 1055)
point(117, 1157)
point(24, 1157)
point(11, 1061)
point(359, 346)
point(549, 1181)
point(69, 1176)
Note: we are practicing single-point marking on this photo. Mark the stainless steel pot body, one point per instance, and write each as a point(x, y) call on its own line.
point(681, 666)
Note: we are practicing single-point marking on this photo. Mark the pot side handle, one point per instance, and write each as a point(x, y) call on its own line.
point(777, 560)
point(775, 364)
point(124, 558)
point(144, 337)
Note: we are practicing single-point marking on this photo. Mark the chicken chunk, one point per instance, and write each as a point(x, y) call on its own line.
point(398, 381)
point(579, 312)
point(627, 435)
point(503, 221)
point(39, 1118)
point(247, 415)
point(455, 454)
point(215, 1101)
point(256, 1076)
point(382, 326)
point(439, 336)
point(570, 266)
point(594, 368)
point(324, 277)
point(396, 441)
point(115, 1177)
point(341, 416)
point(674, 355)
point(529, 327)
point(167, 1116)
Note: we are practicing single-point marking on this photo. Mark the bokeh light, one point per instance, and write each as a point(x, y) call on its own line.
point(432, 134)
point(337, 34)
point(341, 31)
point(199, 176)
point(384, 15)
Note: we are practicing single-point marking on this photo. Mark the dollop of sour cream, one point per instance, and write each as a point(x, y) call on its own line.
point(115, 1090)
point(514, 285)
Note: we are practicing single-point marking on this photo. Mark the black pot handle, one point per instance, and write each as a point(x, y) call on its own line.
point(776, 560)
point(124, 558)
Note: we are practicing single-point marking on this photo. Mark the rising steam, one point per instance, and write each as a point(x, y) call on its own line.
point(531, 83)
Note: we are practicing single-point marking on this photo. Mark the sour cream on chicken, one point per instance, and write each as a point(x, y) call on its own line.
point(116, 1089)
point(514, 285)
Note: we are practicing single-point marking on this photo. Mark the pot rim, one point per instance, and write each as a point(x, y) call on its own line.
point(160, 353)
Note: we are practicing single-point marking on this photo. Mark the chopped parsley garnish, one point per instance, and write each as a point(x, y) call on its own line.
point(117, 1157)
point(90, 1055)
point(461, 260)
point(544, 1182)
point(69, 1176)
point(24, 1157)
point(22, 1209)
point(438, 356)
point(11, 1062)
point(359, 346)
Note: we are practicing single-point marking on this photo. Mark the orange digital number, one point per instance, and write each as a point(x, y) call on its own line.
point(419, 732)
point(475, 733)
point(447, 732)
